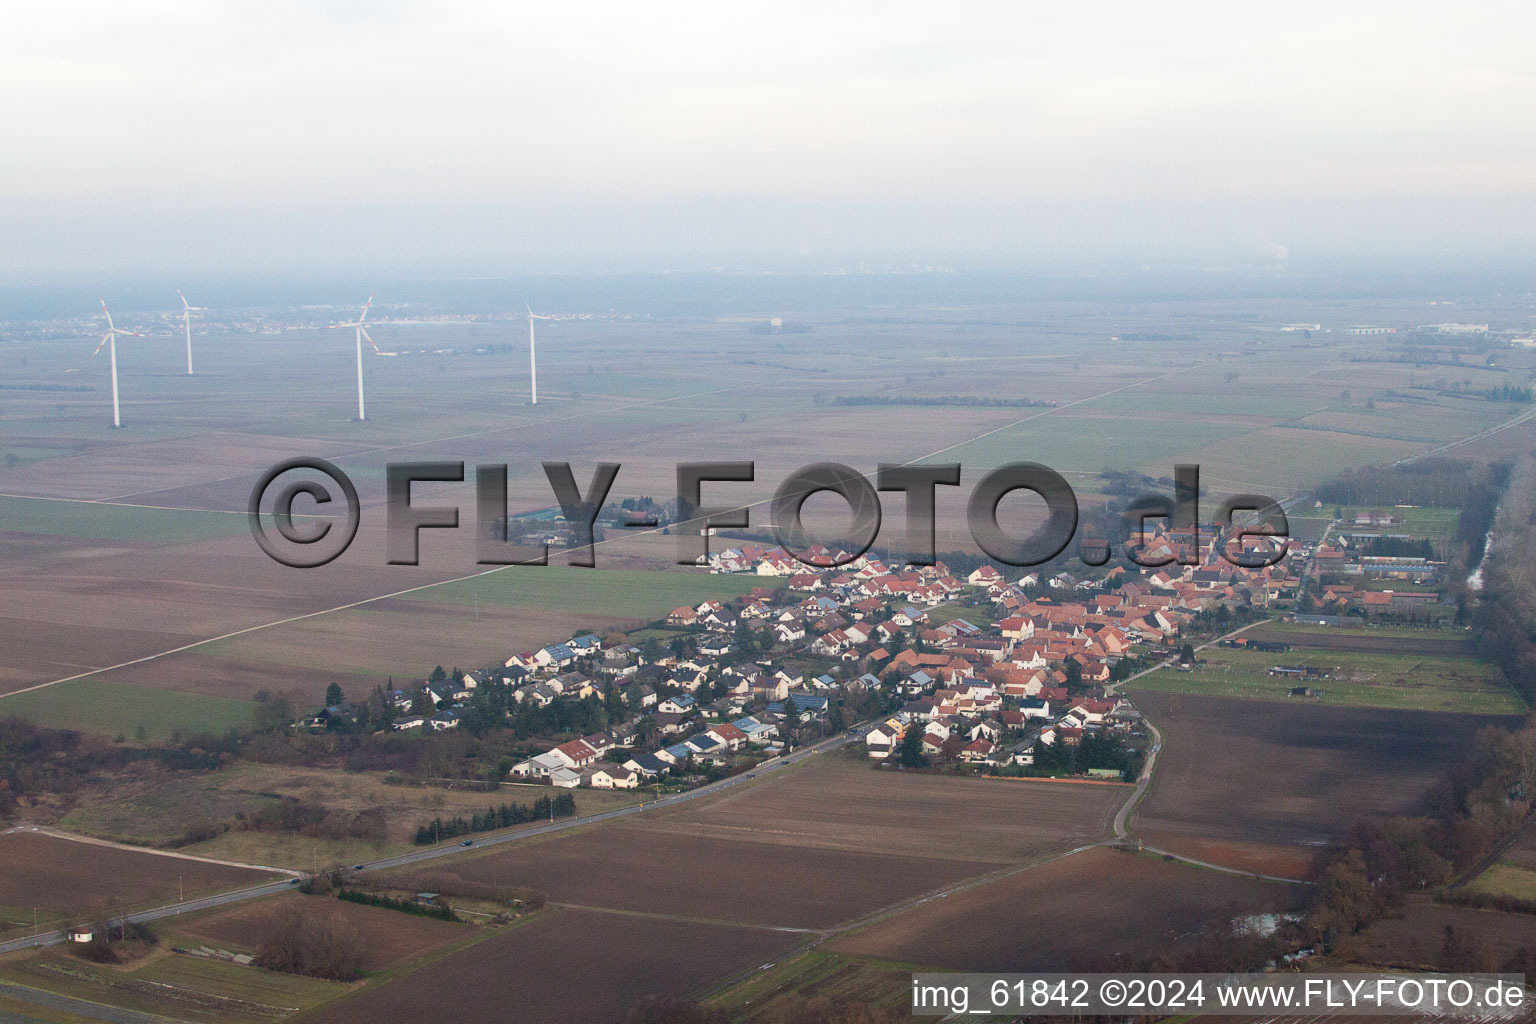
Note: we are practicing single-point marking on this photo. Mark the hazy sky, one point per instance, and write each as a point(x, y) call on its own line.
point(490, 137)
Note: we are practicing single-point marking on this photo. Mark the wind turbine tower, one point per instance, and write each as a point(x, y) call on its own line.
point(362, 333)
point(109, 339)
point(186, 322)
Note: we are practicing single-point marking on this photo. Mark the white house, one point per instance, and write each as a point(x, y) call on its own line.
point(541, 766)
point(882, 739)
point(615, 778)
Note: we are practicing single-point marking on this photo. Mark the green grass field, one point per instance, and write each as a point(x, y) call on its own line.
point(946, 612)
point(628, 593)
point(175, 986)
point(115, 522)
point(1437, 524)
point(17, 921)
point(133, 712)
point(162, 813)
point(22, 1012)
point(1076, 440)
point(295, 852)
point(1272, 407)
point(1409, 682)
point(245, 984)
point(1297, 632)
point(1506, 880)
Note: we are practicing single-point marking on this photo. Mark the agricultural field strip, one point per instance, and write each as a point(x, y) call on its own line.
point(1338, 763)
point(1451, 445)
point(885, 913)
point(69, 1004)
point(155, 508)
point(362, 602)
point(92, 840)
point(896, 909)
point(1364, 678)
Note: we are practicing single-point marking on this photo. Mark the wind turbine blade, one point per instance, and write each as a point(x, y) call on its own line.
point(108, 315)
point(185, 304)
point(99, 347)
point(364, 315)
point(365, 334)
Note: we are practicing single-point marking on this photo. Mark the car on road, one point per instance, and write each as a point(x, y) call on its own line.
point(357, 867)
point(468, 842)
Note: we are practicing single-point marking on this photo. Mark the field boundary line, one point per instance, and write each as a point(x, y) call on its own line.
point(655, 915)
point(874, 918)
point(1191, 861)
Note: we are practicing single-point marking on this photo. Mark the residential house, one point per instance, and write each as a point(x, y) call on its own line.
point(615, 777)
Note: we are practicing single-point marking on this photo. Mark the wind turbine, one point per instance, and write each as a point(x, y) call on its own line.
point(533, 363)
point(109, 339)
point(362, 333)
point(187, 309)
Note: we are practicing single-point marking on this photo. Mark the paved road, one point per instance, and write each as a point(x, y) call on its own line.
point(170, 910)
point(777, 764)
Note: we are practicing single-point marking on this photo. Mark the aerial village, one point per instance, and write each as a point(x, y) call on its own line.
point(986, 673)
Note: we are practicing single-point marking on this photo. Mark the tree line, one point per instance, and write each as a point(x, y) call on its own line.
point(1398, 547)
point(1504, 616)
point(1443, 483)
point(1480, 803)
point(1095, 750)
point(440, 911)
point(301, 939)
point(504, 816)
